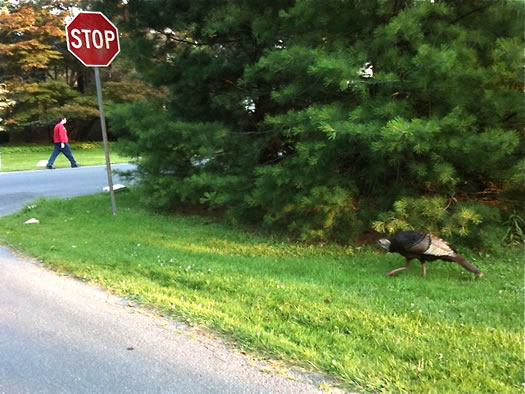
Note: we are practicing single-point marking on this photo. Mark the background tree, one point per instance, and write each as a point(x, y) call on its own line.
point(40, 79)
point(268, 118)
point(33, 70)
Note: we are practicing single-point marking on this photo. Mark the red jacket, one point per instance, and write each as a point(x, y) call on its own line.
point(59, 133)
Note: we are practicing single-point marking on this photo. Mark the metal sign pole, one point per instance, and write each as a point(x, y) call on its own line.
point(105, 138)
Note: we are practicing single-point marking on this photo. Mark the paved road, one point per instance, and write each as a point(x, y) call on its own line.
point(20, 187)
point(59, 335)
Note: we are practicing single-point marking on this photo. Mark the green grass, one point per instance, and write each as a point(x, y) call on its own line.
point(26, 157)
point(324, 307)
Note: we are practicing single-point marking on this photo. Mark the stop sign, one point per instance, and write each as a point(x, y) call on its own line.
point(92, 39)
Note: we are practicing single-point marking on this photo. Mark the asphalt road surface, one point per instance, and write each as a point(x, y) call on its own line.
point(60, 335)
point(20, 187)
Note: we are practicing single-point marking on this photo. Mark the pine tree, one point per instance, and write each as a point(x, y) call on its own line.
point(268, 116)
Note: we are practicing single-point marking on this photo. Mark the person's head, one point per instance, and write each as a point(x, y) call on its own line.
point(61, 119)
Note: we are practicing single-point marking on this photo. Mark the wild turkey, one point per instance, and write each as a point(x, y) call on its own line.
point(424, 247)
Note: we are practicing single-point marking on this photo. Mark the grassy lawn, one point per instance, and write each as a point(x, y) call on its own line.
point(323, 307)
point(26, 157)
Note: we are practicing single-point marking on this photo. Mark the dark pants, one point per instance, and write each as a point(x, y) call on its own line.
point(66, 151)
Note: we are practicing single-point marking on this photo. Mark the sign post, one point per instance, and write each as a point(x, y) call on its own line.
point(105, 138)
point(93, 39)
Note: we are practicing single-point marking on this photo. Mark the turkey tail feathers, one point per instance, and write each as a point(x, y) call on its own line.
point(466, 264)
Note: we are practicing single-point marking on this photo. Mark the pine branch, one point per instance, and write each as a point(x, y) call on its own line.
point(468, 14)
point(509, 117)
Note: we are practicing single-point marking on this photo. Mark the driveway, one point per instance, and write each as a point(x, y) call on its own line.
point(20, 187)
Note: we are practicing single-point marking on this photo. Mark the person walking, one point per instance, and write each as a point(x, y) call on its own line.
point(61, 144)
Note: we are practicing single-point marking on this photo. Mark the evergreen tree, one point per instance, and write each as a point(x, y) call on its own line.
point(269, 118)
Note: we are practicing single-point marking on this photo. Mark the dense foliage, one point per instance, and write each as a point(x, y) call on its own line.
point(268, 119)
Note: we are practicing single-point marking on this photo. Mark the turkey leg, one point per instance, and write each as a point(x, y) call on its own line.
point(399, 269)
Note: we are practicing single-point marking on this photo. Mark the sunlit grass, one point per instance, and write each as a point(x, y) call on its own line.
point(26, 157)
point(325, 307)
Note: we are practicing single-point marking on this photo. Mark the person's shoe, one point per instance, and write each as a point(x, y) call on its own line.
point(50, 167)
point(74, 165)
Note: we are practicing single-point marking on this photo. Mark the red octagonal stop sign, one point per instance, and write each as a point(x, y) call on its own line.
point(92, 39)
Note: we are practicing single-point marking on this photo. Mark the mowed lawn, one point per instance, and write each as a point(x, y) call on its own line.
point(323, 307)
point(26, 157)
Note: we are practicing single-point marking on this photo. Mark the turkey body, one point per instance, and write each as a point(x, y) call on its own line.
point(413, 244)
